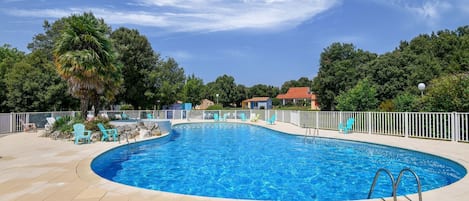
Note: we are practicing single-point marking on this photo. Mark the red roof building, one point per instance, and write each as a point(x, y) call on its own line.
point(295, 94)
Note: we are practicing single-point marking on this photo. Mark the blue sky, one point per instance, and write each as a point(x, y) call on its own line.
point(255, 41)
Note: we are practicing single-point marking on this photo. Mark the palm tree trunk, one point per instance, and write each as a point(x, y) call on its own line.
point(84, 107)
point(96, 104)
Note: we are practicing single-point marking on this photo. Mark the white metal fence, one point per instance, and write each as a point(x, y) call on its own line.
point(441, 126)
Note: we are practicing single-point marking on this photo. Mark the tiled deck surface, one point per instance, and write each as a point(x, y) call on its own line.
point(37, 168)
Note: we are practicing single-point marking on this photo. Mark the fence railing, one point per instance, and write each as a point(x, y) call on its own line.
point(449, 126)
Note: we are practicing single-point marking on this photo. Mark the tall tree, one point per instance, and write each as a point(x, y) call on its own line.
point(44, 42)
point(226, 89)
point(8, 58)
point(243, 94)
point(263, 90)
point(84, 57)
point(138, 61)
point(339, 71)
point(25, 85)
point(193, 90)
point(165, 83)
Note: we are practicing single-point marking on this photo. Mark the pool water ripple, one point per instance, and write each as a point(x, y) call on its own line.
point(250, 162)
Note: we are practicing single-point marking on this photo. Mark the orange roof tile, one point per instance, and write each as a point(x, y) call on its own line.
point(297, 93)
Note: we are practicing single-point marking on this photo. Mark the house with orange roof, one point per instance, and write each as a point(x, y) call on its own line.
point(296, 94)
point(257, 103)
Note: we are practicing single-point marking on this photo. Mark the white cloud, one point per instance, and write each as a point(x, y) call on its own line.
point(429, 11)
point(202, 15)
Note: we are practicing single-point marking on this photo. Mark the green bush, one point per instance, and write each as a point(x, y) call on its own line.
point(93, 124)
point(386, 106)
point(448, 93)
point(215, 107)
point(65, 124)
point(126, 107)
point(405, 102)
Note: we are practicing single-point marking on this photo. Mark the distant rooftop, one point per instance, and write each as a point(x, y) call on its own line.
point(257, 99)
point(297, 93)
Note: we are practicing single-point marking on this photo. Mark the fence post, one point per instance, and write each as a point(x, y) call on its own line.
point(299, 118)
point(11, 122)
point(406, 124)
point(317, 119)
point(340, 116)
point(454, 127)
point(369, 123)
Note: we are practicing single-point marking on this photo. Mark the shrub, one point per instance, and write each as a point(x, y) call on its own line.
point(386, 106)
point(65, 124)
point(215, 107)
point(405, 102)
point(126, 107)
point(93, 123)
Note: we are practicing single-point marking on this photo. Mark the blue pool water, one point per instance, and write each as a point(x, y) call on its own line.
point(250, 162)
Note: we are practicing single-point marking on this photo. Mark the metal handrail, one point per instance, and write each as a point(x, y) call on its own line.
point(417, 179)
point(376, 178)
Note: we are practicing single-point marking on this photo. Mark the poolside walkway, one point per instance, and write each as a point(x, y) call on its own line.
point(37, 168)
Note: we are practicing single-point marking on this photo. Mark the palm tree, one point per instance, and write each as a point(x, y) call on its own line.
point(84, 58)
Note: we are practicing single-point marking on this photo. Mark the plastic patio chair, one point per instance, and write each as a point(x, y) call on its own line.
point(80, 132)
point(272, 119)
point(125, 116)
point(216, 117)
point(149, 116)
point(243, 117)
point(348, 126)
point(107, 133)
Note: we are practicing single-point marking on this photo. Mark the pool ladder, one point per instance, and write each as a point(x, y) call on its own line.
point(395, 184)
point(310, 133)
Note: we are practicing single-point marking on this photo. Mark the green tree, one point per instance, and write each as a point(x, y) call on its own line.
point(193, 90)
point(389, 73)
point(262, 90)
point(8, 58)
point(44, 42)
point(139, 61)
point(243, 93)
point(448, 94)
point(84, 57)
point(340, 68)
point(405, 102)
point(362, 97)
point(226, 89)
point(25, 85)
point(166, 83)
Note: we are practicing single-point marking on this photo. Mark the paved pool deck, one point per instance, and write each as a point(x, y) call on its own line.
point(36, 168)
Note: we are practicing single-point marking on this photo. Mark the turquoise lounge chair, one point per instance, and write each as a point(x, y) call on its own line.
point(272, 119)
point(216, 117)
point(149, 116)
point(348, 126)
point(225, 117)
point(243, 117)
point(107, 133)
point(125, 116)
point(80, 132)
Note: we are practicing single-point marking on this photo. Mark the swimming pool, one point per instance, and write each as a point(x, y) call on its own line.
point(250, 162)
